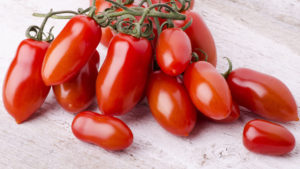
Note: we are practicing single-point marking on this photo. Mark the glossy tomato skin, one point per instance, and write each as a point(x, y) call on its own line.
point(200, 36)
point(170, 104)
point(173, 51)
point(208, 90)
point(79, 92)
point(122, 78)
point(234, 115)
point(71, 50)
point(263, 94)
point(107, 132)
point(24, 90)
point(265, 137)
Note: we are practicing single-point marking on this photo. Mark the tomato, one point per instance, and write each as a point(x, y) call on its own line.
point(263, 94)
point(177, 3)
point(78, 93)
point(24, 90)
point(107, 132)
point(170, 104)
point(173, 51)
point(71, 50)
point(264, 137)
point(122, 78)
point(200, 36)
point(234, 115)
point(208, 90)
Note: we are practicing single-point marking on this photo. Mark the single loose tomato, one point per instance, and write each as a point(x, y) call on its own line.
point(78, 93)
point(24, 90)
point(71, 50)
point(122, 78)
point(173, 51)
point(263, 94)
point(208, 90)
point(201, 37)
point(170, 104)
point(107, 132)
point(234, 115)
point(264, 137)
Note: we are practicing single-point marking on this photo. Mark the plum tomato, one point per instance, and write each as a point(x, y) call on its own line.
point(122, 78)
point(24, 90)
point(173, 51)
point(263, 94)
point(78, 93)
point(71, 50)
point(208, 90)
point(107, 132)
point(170, 104)
point(265, 137)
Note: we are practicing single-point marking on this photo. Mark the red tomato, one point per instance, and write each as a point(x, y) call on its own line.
point(177, 3)
point(234, 115)
point(208, 90)
point(78, 93)
point(173, 51)
point(263, 94)
point(170, 104)
point(123, 75)
point(24, 90)
point(107, 132)
point(200, 36)
point(71, 50)
point(264, 137)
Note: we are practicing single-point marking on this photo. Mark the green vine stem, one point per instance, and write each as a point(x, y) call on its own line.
point(123, 21)
point(226, 74)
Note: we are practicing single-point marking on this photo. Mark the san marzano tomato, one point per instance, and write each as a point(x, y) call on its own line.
point(105, 131)
point(262, 94)
point(122, 78)
point(24, 90)
point(170, 104)
point(173, 51)
point(208, 90)
point(71, 50)
point(264, 137)
point(78, 93)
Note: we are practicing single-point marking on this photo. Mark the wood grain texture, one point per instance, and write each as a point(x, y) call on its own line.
point(263, 35)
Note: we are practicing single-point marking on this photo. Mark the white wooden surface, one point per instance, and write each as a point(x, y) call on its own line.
point(263, 35)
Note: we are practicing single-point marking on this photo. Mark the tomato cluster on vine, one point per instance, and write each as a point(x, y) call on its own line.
point(158, 49)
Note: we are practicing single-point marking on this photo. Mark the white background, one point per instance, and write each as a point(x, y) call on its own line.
point(263, 35)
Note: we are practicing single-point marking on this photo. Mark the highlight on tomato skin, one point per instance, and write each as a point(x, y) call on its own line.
point(23, 89)
point(264, 137)
point(170, 104)
point(208, 90)
point(79, 92)
point(107, 132)
point(173, 51)
point(263, 94)
point(71, 50)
